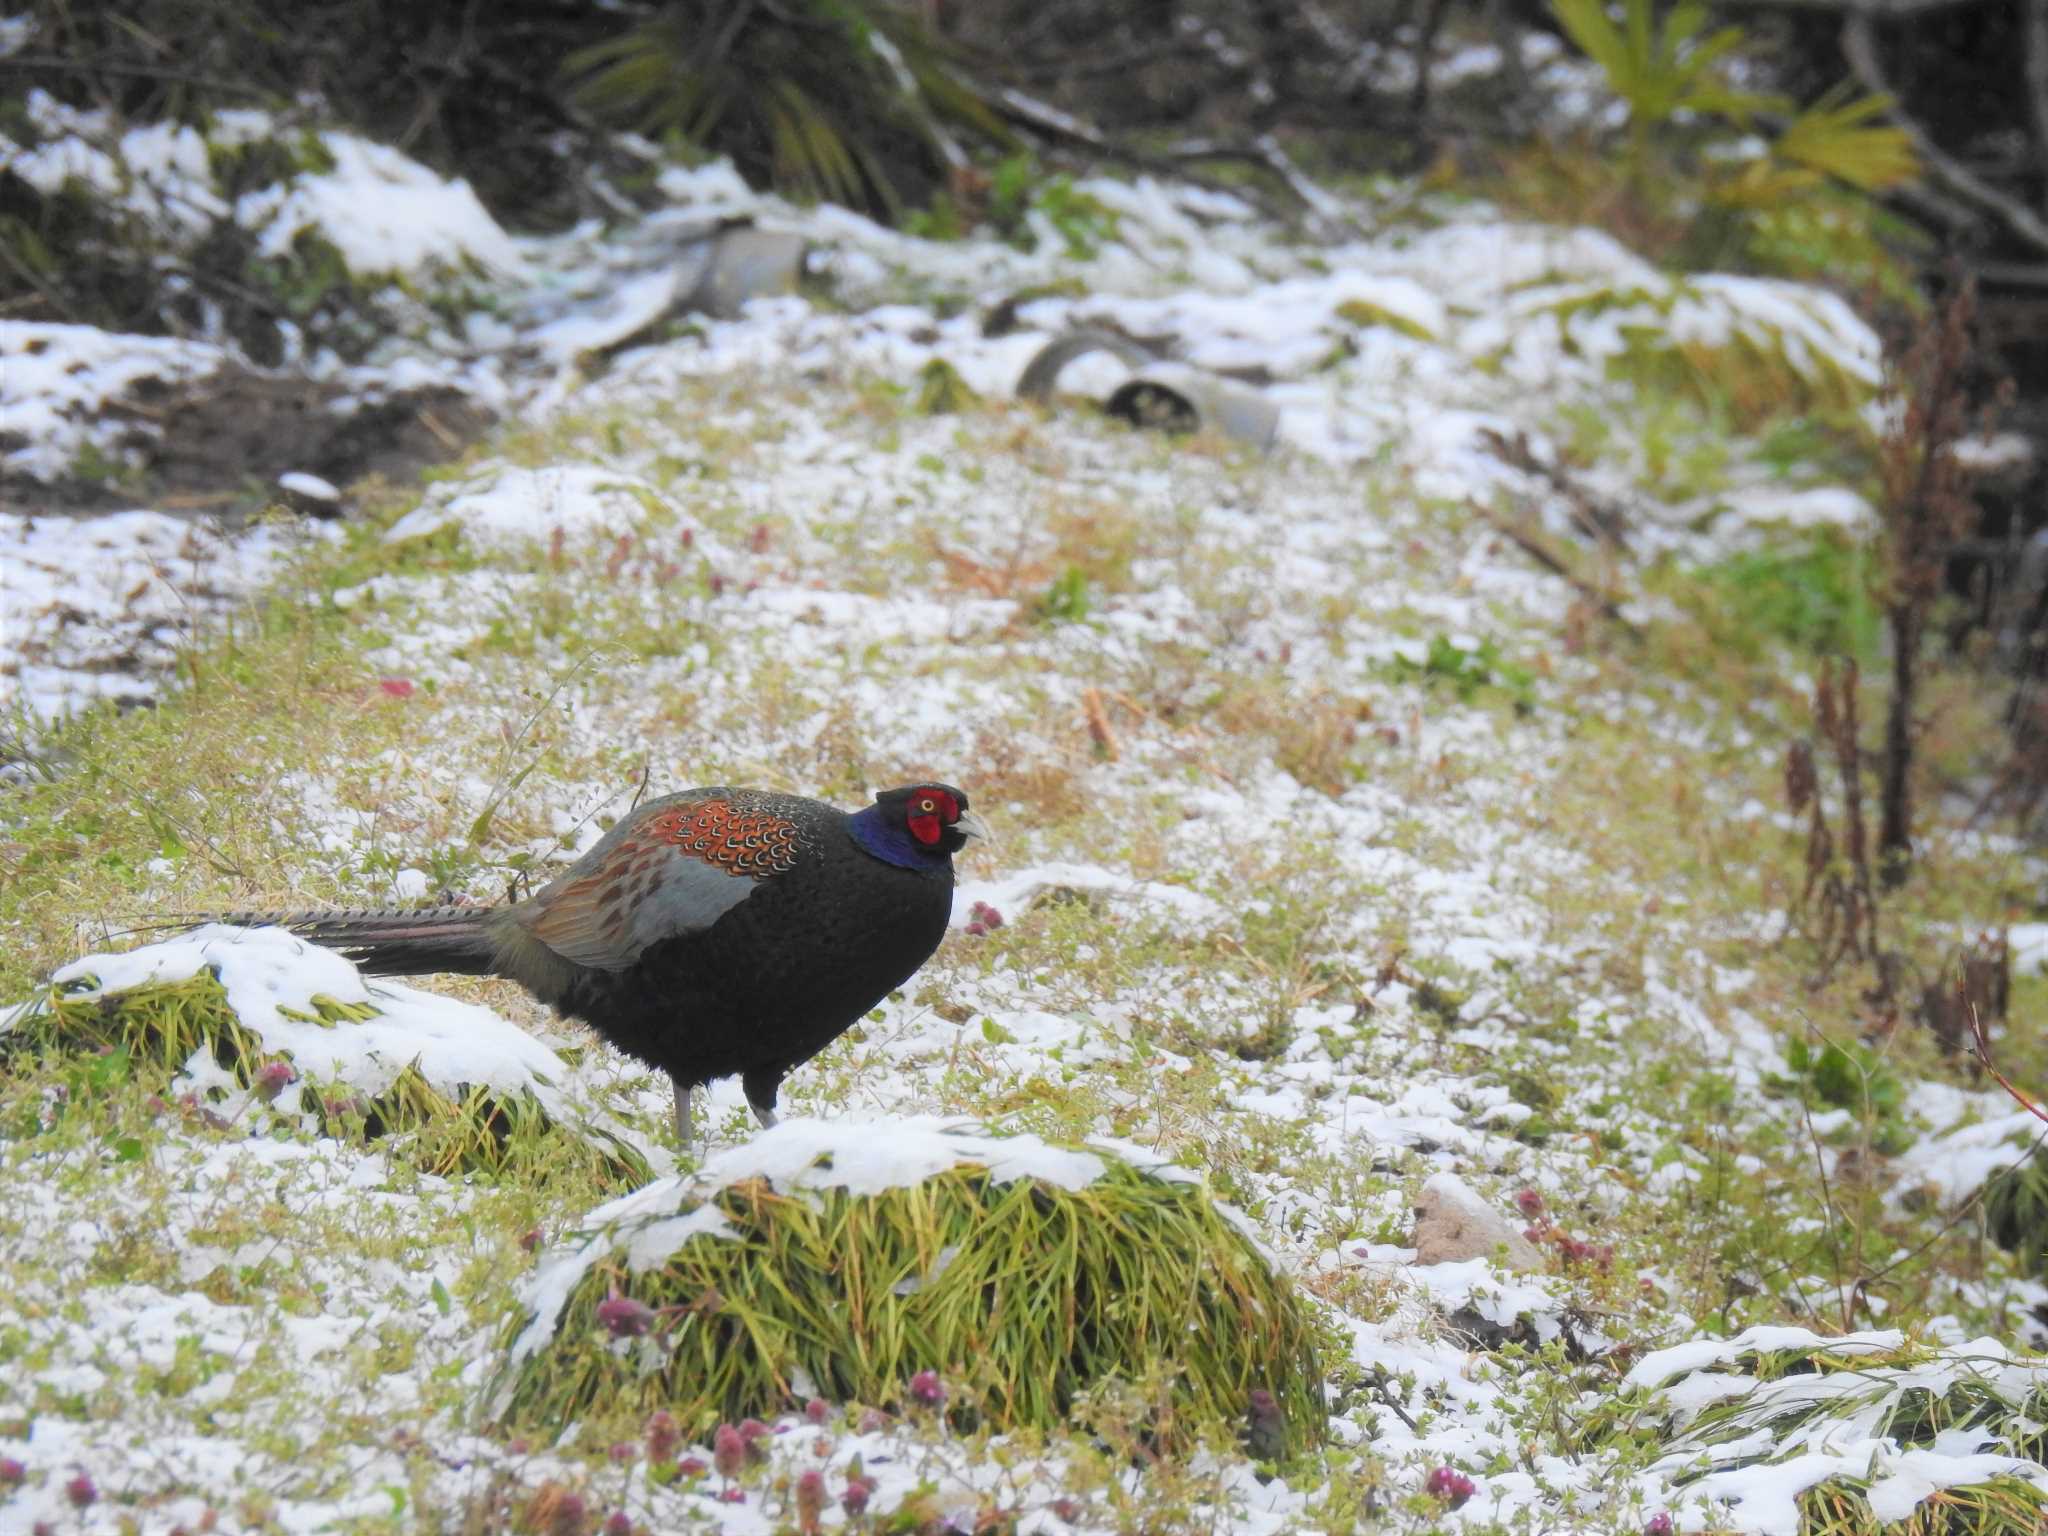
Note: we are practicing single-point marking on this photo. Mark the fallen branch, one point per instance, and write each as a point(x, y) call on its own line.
point(1537, 548)
point(1098, 723)
point(1596, 519)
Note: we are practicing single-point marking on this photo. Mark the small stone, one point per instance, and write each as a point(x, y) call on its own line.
point(308, 494)
point(1453, 1224)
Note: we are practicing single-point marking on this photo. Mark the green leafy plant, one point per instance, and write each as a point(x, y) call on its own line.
point(850, 100)
point(1661, 68)
point(1066, 600)
point(1813, 595)
point(1468, 671)
point(1851, 1077)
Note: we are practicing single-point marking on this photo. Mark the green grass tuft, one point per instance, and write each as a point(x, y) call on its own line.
point(1022, 1295)
point(147, 1035)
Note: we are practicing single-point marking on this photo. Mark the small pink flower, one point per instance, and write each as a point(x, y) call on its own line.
point(752, 1433)
point(732, 1496)
point(691, 1466)
point(1069, 1510)
point(530, 1239)
point(618, 1523)
point(663, 1435)
point(12, 1473)
point(855, 1500)
point(1529, 1203)
point(623, 1317)
point(977, 930)
point(623, 1452)
point(728, 1451)
point(1450, 1485)
point(872, 1421)
point(273, 1078)
point(82, 1491)
point(569, 1514)
point(926, 1388)
point(810, 1500)
point(817, 1410)
point(1658, 1524)
point(397, 687)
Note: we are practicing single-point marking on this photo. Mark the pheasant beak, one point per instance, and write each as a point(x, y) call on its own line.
point(972, 826)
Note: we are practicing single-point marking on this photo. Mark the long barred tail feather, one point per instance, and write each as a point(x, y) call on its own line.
point(390, 941)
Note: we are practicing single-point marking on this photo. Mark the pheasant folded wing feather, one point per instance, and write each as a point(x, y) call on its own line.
point(675, 868)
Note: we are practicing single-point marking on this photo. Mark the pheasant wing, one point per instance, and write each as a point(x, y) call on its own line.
point(674, 868)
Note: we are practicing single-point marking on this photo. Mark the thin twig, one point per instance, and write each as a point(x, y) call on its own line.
point(1982, 1043)
point(2034, 22)
point(1538, 549)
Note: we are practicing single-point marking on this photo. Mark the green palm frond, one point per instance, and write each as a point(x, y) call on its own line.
point(849, 100)
point(1836, 137)
point(1661, 70)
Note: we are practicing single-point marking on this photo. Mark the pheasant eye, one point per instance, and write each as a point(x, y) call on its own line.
point(926, 806)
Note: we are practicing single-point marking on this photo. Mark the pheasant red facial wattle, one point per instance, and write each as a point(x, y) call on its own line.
point(713, 932)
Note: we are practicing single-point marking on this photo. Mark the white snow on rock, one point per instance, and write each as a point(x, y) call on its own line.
point(386, 213)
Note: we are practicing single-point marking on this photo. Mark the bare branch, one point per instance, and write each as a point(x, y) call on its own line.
point(2034, 21)
point(1859, 46)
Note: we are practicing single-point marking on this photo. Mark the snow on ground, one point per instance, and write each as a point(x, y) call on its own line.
point(1400, 347)
point(773, 573)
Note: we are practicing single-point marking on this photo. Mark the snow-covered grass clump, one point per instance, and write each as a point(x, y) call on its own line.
point(256, 1023)
point(869, 1261)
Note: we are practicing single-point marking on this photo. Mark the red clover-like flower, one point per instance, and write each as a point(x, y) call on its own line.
point(1450, 1485)
point(623, 1317)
